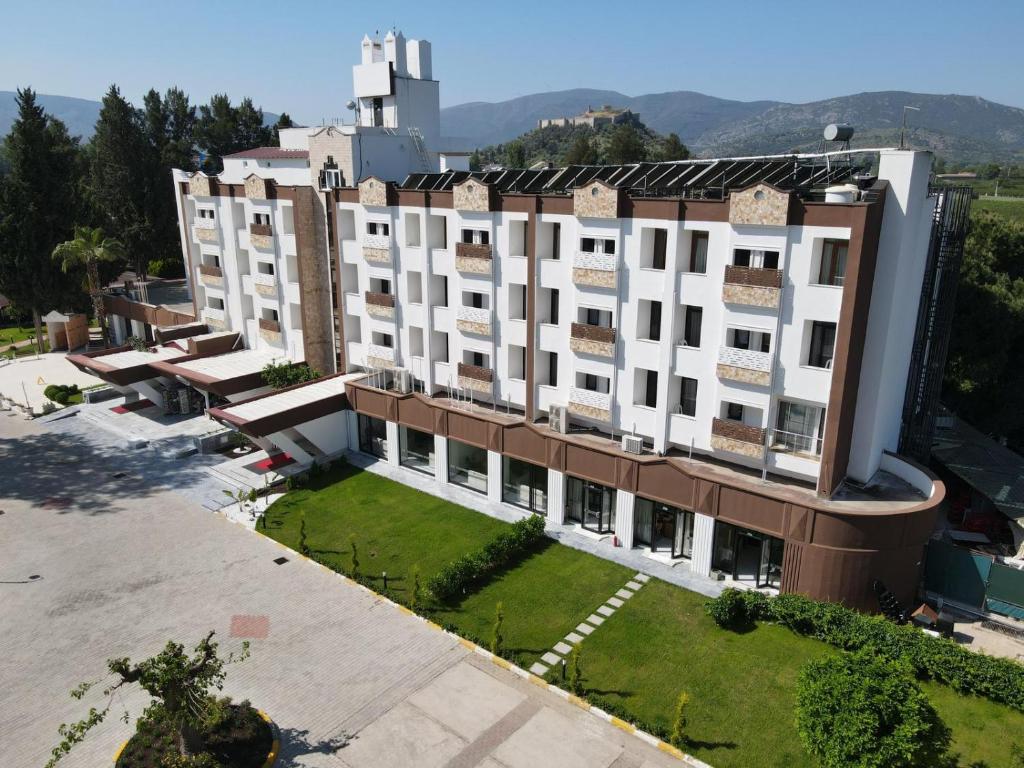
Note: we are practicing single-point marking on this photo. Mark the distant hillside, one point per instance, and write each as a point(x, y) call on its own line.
point(79, 115)
point(964, 129)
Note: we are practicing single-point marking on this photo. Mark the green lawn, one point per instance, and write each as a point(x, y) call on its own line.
point(658, 644)
point(13, 333)
point(1009, 209)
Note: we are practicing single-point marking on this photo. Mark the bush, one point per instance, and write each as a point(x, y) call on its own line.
point(474, 567)
point(169, 268)
point(937, 658)
point(60, 393)
point(862, 710)
point(280, 375)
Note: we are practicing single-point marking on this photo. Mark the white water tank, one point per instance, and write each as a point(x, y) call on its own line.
point(841, 193)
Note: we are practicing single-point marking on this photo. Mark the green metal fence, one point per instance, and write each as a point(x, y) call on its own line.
point(973, 579)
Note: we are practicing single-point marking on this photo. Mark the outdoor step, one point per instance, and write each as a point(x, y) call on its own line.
point(605, 610)
point(551, 659)
point(538, 669)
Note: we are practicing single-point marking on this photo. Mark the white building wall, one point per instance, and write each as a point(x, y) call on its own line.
point(625, 503)
point(328, 433)
point(494, 476)
point(441, 459)
point(703, 541)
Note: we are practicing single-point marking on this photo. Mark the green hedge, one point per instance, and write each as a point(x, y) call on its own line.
point(60, 393)
point(938, 658)
point(473, 567)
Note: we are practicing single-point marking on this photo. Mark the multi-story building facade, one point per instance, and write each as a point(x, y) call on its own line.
point(706, 360)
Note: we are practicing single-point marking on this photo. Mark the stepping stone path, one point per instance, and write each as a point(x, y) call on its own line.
point(563, 648)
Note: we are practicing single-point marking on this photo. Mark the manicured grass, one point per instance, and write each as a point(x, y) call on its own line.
point(1008, 209)
point(13, 333)
point(982, 731)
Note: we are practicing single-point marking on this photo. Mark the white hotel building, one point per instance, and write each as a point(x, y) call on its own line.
point(705, 360)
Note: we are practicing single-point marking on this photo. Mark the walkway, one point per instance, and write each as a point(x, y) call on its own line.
point(101, 559)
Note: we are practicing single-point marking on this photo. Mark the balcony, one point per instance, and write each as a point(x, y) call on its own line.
point(590, 404)
point(476, 378)
point(474, 258)
point(379, 357)
point(261, 236)
point(270, 330)
point(215, 318)
point(377, 248)
point(473, 320)
point(752, 286)
point(264, 284)
point(805, 446)
point(380, 305)
point(745, 366)
point(597, 270)
point(206, 230)
point(593, 340)
point(736, 437)
point(210, 275)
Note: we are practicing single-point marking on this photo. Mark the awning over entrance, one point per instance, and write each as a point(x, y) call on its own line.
point(224, 374)
point(284, 408)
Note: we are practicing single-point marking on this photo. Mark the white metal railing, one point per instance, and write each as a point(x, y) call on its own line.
point(605, 262)
point(213, 313)
point(377, 241)
point(474, 315)
point(745, 358)
point(201, 223)
point(380, 352)
point(262, 278)
point(794, 442)
point(588, 397)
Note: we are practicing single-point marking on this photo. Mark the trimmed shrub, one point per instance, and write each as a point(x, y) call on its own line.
point(937, 658)
point(866, 711)
point(474, 567)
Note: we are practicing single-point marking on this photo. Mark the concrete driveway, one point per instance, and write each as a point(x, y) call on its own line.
point(94, 565)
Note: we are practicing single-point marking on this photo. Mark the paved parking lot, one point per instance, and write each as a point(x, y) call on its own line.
point(126, 563)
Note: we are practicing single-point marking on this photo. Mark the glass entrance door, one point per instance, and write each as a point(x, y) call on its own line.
point(591, 505)
point(663, 536)
point(769, 573)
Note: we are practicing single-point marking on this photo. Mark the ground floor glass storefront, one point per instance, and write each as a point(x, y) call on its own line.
point(663, 528)
point(747, 555)
point(417, 449)
point(467, 466)
point(590, 504)
point(373, 436)
point(524, 485)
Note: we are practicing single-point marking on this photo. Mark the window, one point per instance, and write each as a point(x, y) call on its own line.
point(645, 390)
point(597, 245)
point(734, 411)
point(377, 228)
point(261, 219)
point(467, 466)
point(378, 112)
point(593, 383)
point(799, 428)
point(476, 300)
point(552, 369)
point(415, 341)
point(380, 285)
point(699, 253)
point(331, 178)
point(599, 317)
point(833, 262)
point(516, 362)
point(556, 239)
point(755, 258)
point(414, 285)
point(663, 528)
point(693, 319)
point(207, 213)
point(477, 236)
point(471, 357)
point(383, 339)
point(649, 320)
point(517, 301)
point(653, 244)
point(417, 450)
point(524, 485)
point(517, 238)
point(741, 338)
point(688, 396)
point(214, 303)
point(590, 505)
point(265, 267)
point(823, 345)
point(412, 229)
point(373, 436)
point(552, 307)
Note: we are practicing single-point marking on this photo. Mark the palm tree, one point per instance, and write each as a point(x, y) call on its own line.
point(89, 248)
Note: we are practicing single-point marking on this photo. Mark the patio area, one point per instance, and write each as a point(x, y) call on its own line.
point(25, 378)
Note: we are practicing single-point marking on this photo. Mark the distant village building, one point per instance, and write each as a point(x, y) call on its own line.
point(593, 118)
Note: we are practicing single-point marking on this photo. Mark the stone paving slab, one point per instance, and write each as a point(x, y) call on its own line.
point(615, 602)
point(643, 578)
point(633, 585)
point(584, 628)
point(562, 648)
point(538, 669)
point(625, 594)
point(573, 638)
point(605, 610)
point(551, 659)
point(596, 620)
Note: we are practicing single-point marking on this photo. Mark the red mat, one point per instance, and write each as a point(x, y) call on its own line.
point(138, 405)
point(274, 462)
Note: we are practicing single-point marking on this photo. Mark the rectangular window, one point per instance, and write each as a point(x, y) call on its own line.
point(556, 240)
point(206, 213)
point(467, 466)
point(377, 228)
point(654, 332)
point(694, 319)
point(553, 369)
point(755, 258)
point(734, 411)
point(553, 313)
point(823, 345)
point(597, 245)
point(516, 362)
point(262, 219)
point(688, 396)
point(699, 253)
point(417, 450)
point(651, 389)
point(373, 436)
point(517, 301)
point(590, 505)
point(477, 236)
point(524, 485)
point(660, 247)
point(833, 262)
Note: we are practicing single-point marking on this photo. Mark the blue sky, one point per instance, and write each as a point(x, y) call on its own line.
point(787, 51)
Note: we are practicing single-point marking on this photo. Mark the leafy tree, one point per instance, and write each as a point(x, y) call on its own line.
point(249, 128)
point(582, 152)
point(179, 148)
point(515, 155)
point(475, 163)
point(222, 129)
point(672, 148)
point(984, 382)
point(283, 121)
point(179, 684)
point(284, 374)
point(861, 710)
point(625, 146)
point(678, 737)
point(89, 249)
point(39, 202)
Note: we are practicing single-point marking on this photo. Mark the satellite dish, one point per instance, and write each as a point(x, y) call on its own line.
point(350, 104)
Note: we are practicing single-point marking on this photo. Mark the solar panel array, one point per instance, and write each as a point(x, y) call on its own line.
point(700, 179)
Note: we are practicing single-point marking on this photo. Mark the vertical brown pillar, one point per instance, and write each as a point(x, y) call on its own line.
point(314, 280)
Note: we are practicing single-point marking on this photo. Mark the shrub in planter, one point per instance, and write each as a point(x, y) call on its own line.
point(868, 712)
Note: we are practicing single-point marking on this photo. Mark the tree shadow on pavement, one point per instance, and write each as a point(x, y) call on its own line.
point(295, 743)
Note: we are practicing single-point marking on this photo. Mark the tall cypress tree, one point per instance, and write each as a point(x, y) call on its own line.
point(38, 206)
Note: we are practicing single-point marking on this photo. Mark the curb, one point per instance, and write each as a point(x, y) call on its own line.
point(498, 661)
point(275, 747)
point(117, 755)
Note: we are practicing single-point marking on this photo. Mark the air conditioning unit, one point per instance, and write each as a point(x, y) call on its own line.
point(403, 382)
point(632, 444)
point(558, 418)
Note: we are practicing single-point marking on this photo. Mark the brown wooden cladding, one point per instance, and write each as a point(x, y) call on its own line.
point(762, 278)
point(379, 299)
point(210, 270)
point(473, 250)
point(261, 229)
point(734, 430)
point(144, 313)
point(592, 333)
point(476, 372)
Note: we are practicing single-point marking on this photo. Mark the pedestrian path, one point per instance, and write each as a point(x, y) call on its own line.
point(588, 626)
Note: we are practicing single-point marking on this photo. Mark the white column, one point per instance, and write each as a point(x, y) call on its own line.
point(494, 476)
point(624, 503)
point(703, 540)
point(352, 424)
point(441, 459)
point(556, 496)
point(393, 450)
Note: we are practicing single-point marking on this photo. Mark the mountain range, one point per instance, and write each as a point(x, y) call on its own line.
point(965, 129)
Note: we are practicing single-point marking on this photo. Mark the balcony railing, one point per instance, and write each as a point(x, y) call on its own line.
point(735, 430)
point(594, 269)
point(261, 229)
point(270, 325)
point(592, 339)
point(203, 223)
point(755, 276)
point(212, 313)
point(208, 270)
point(377, 354)
point(745, 365)
point(587, 402)
point(379, 299)
point(794, 442)
point(473, 250)
point(476, 372)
